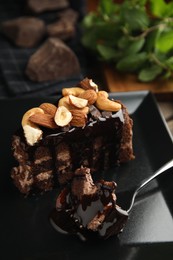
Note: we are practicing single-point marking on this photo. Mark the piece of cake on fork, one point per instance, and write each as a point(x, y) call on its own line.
point(88, 209)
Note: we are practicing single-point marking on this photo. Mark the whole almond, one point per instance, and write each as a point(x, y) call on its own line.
point(45, 120)
point(79, 118)
point(89, 95)
point(84, 110)
point(48, 108)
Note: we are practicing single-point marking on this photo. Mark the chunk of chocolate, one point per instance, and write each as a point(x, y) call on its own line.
point(54, 60)
point(95, 113)
point(39, 6)
point(24, 31)
point(62, 29)
point(88, 209)
point(69, 15)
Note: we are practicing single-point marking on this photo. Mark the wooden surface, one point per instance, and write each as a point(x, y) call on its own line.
point(125, 83)
point(115, 81)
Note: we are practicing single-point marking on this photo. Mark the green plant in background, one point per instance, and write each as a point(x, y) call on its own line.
point(136, 36)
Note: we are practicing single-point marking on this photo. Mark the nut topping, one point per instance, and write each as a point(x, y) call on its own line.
point(48, 108)
point(63, 116)
point(72, 91)
point(79, 118)
point(78, 102)
point(88, 84)
point(64, 101)
point(72, 110)
point(31, 131)
point(90, 95)
point(103, 103)
point(45, 120)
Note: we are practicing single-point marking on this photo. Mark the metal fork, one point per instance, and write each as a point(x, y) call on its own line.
point(145, 182)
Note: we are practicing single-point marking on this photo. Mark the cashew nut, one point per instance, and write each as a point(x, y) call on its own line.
point(72, 91)
point(103, 103)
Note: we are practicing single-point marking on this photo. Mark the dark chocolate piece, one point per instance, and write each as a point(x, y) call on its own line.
point(87, 208)
point(54, 60)
point(24, 31)
point(95, 113)
point(69, 15)
point(62, 29)
point(39, 6)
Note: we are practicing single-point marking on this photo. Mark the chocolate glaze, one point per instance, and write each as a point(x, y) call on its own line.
point(88, 210)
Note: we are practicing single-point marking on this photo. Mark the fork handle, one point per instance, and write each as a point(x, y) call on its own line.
point(164, 168)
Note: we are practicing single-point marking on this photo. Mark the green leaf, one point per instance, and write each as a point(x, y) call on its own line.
point(123, 42)
point(135, 18)
point(108, 53)
point(132, 62)
point(135, 46)
point(167, 75)
point(107, 7)
point(169, 62)
point(164, 41)
point(150, 73)
point(89, 20)
point(160, 8)
point(150, 41)
point(129, 37)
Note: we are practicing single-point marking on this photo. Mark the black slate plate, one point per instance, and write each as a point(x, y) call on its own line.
point(25, 231)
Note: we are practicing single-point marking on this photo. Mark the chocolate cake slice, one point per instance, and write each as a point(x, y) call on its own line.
point(88, 209)
point(85, 128)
